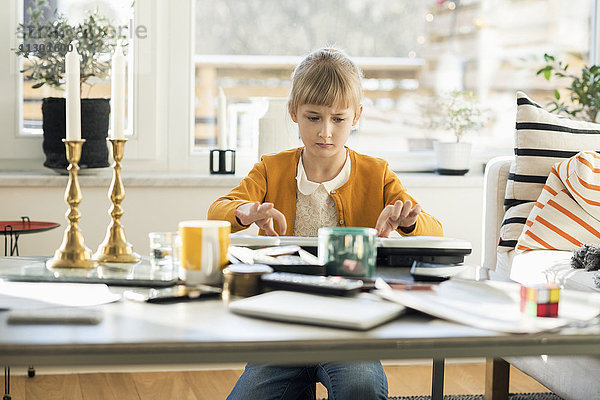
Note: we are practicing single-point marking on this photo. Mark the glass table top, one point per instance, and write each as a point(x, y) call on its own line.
point(33, 269)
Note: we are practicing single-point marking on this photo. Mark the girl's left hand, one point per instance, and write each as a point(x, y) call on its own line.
point(400, 214)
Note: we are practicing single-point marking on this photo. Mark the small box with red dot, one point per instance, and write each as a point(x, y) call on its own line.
point(540, 300)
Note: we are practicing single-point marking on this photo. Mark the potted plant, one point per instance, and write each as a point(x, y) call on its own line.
point(44, 45)
point(584, 89)
point(458, 112)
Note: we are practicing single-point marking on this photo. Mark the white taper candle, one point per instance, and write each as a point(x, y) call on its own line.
point(73, 96)
point(117, 93)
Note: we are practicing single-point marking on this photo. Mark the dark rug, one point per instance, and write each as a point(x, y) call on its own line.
point(511, 396)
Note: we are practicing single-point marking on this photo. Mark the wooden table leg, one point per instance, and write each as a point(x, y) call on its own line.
point(497, 373)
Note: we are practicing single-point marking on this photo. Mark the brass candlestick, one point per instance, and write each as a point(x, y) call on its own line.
point(115, 248)
point(72, 253)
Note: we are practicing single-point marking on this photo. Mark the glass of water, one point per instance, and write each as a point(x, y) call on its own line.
point(163, 251)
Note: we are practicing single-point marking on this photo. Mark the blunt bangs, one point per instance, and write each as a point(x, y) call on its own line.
point(326, 78)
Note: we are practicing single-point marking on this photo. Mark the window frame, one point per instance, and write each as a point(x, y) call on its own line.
point(595, 34)
point(16, 150)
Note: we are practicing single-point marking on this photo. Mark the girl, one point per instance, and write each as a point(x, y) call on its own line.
point(323, 183)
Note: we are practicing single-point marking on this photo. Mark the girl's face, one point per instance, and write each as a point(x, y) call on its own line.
point(324, 130)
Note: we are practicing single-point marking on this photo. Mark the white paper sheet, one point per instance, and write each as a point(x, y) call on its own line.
point(494, 305)
point(30, 295)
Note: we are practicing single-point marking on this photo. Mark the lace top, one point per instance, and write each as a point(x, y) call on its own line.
point(315, 207)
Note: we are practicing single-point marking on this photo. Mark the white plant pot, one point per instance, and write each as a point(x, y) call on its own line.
point(452, 158)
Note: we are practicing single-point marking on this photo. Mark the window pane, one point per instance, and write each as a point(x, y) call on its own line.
point(410, 51)
point(257, 51)
point(119, 13)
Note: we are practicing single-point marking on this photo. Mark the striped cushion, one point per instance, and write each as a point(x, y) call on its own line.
point(541, 140)
point(567, 213)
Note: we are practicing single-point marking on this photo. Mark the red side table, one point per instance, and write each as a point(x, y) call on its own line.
point(12, 230)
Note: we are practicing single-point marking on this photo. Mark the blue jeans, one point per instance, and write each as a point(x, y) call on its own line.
point(344, 381)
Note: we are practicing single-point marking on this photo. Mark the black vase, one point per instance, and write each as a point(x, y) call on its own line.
point(94, 129)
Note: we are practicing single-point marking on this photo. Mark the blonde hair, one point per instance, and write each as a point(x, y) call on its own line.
point(326, 77)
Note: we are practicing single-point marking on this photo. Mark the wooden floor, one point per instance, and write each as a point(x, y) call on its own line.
point(213, 385)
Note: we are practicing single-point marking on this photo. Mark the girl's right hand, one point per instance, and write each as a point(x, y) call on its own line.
point(262, 215)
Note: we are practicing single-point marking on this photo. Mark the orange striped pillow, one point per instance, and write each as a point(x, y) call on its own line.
point(541, 140)
point(567, 212)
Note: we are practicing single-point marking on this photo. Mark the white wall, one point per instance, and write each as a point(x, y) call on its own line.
point(146, 209)
point(455, 201)
point(459, 210)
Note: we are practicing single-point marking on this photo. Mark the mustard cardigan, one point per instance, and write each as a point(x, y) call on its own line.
point(371, 186)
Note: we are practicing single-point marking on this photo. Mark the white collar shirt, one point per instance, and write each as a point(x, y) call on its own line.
point(307, 187)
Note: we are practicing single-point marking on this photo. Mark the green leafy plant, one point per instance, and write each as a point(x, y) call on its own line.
point(458, 111)
point(45, 43)
point(584, 89)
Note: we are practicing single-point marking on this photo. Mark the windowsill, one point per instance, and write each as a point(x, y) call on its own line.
point(432, 179)
point(132, 179)
point(146, 179)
